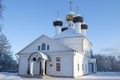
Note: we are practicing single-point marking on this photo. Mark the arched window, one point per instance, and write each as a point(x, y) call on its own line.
point(43, 46)
point(48, 47)
point(38, 48)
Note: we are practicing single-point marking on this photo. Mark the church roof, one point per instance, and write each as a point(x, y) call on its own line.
point(70, 32)
point(54, 41)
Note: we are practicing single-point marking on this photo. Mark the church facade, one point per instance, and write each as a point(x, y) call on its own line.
point(67, 54)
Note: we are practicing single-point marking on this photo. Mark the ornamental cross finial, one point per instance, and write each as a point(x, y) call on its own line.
point(57, 14)
point(70, 5)
point(77, 9)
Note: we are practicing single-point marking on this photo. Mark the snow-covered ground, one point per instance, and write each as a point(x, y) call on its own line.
point(97, 76)
point(9, 76)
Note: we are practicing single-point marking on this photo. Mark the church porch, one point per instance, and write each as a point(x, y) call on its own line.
point(37, 64)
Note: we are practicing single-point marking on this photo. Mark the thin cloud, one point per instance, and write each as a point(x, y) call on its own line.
point(115, 51)
point(108, 49)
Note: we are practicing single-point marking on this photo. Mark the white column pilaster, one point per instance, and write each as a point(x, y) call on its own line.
point(94, 64)
point(43, 67)
point(31, 68)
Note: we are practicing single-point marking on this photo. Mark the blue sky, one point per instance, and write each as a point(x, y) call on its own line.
point(25, 20)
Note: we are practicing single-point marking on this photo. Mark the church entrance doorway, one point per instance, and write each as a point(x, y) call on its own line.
point(36, 68)
point(36, 65)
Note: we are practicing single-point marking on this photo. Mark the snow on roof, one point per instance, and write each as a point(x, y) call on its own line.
point(67, 33)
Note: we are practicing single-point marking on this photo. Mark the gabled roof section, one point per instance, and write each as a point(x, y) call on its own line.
point(50, 39)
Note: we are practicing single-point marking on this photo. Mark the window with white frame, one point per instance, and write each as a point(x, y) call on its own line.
point(57, 66)
point(43, 46)
point(57, 59)
point(48, 47)
point(38, 48)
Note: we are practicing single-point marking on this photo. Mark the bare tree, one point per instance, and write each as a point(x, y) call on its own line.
point(107, 63)
point(6, 61)
point(1, 8)
point(4, 45)
point(1, 11)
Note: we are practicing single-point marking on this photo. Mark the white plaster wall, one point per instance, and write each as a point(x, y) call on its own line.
point(85, 62)
point(75, 43)
point(66, 64)
point(78, 59)
point(86, 44)
point(87, 52)
point(82, 60)
point(23, 64)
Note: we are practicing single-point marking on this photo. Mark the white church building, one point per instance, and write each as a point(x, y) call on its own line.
point(67, 54)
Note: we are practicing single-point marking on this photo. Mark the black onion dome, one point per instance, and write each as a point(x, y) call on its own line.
point(78, 19)
point(84, 26)
point(58, 23)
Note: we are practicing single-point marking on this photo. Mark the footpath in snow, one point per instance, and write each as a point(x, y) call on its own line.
point(97, 76)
